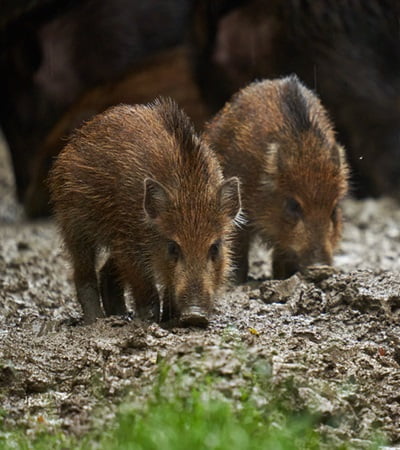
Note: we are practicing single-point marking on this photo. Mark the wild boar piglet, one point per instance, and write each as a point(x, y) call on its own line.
point(138, 182)
point(276, 137)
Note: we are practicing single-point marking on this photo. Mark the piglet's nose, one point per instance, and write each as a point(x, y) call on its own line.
point(194, 316)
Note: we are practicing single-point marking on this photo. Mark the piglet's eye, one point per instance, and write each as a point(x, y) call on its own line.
point(174, 250)
point(293, 209)
point(215, 250)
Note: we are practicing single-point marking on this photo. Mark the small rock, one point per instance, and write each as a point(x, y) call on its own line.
point(134, 342)
point(318, 273)
point(22, 246)
point(36, 384)
point(156, 331)
point(279, 291)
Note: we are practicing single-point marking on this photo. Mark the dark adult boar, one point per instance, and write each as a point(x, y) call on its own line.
point(167, 75)
point(54, 51)
point(137, 181)
point(277, 138)
point(349, 51)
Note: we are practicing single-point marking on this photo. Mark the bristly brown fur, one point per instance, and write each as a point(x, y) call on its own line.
point(295, 107)
point(277, 138)
point(178, 124)
point(133, 180)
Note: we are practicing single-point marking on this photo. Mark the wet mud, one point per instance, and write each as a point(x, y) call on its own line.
point(334, 331)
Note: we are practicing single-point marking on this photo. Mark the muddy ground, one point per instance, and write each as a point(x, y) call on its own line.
point(334, 333)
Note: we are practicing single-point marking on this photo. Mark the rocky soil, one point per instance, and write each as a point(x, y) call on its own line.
point(334, 332)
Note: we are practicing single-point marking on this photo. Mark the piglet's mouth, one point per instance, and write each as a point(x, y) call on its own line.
point(194, 316)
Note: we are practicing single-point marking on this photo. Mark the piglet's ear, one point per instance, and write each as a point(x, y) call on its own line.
point(229, 197)
point(338, 155)
point(155, 198)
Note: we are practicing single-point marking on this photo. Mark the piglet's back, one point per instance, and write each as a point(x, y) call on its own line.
point(100, 173)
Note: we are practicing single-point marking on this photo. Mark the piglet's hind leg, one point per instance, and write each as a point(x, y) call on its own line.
point(112, 290)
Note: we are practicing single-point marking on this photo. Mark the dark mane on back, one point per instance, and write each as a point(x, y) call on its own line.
point(295, 106)
point(178, 124)
point(298, 108)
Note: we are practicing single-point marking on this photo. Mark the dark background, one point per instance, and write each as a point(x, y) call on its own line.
point(63, 61)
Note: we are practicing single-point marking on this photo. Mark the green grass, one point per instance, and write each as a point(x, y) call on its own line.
point(188, 416)
point(200, 422)
point(194, 423)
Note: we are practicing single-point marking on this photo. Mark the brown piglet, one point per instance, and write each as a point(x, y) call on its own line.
point(138, 182)
point(277, 138)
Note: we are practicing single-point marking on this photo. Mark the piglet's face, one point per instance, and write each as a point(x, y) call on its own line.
point(194, 250)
